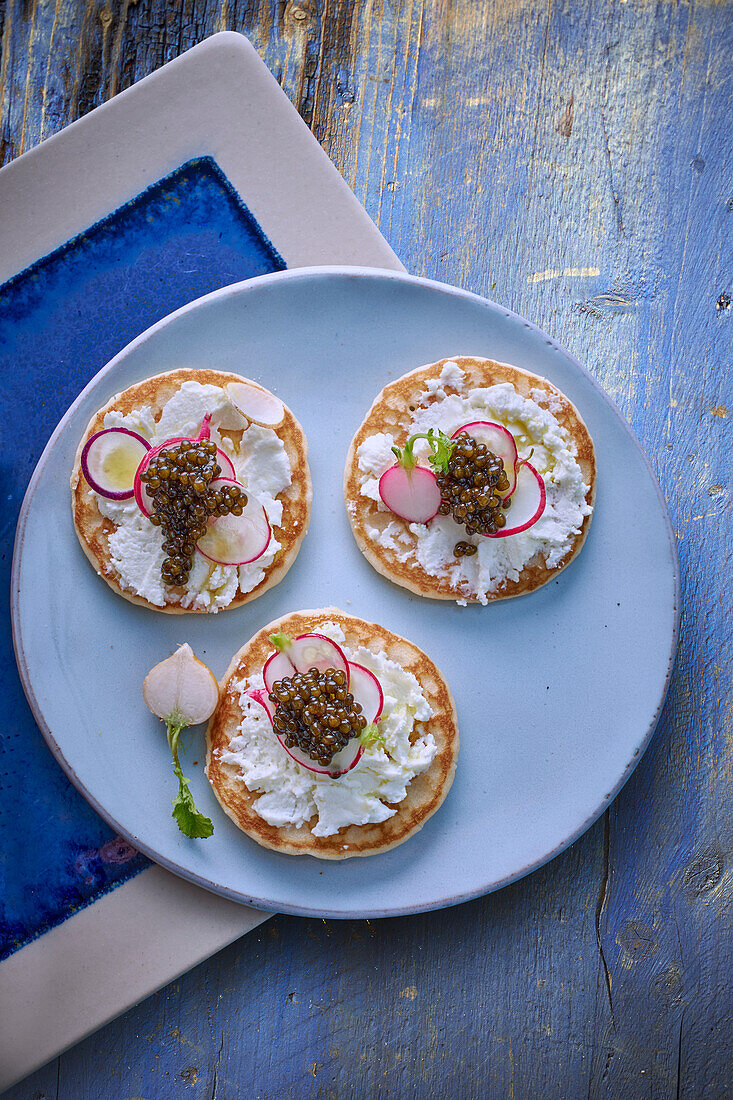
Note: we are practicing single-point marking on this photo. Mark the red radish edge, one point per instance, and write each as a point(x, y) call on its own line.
point(404, 490)
point(505, 531)
point(322, 637)
point(510, 438)
point(260, 696)
point(354, 689)
point(126, 494)
point(271, 677)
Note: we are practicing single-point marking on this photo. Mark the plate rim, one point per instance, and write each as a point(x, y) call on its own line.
point(269, 904)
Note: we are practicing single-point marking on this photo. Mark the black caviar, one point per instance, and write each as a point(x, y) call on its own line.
point(470, 490)
point(179, 480)
point(315, 712)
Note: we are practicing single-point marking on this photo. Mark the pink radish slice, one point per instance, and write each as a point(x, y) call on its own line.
point(110, 460)
point(367, 690)
point(317, 651)
point(277, 666)
point(500, 442)
point(341, 762)
point(528, 502)
point(256, 404)
point(236, 540)
point(227, 466)
point(412, 495)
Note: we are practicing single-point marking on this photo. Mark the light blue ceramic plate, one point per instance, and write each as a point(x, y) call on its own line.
point(582, 665)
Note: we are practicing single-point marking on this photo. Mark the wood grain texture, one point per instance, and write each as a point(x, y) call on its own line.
point(571, 159)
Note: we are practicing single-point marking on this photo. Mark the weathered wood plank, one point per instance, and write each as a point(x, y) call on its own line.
point(573, 161)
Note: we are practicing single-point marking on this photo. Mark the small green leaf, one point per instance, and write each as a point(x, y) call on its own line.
point(282, 642)
point(190, 821)
point(441, 447)
point(372, 735)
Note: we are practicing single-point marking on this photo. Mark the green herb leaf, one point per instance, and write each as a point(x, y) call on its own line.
point(372, 735)
point(190, 821)
point(281, 641)
point(441, 447)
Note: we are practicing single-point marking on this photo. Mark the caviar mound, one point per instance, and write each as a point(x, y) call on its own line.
point(391, 414)
point(470, 490)
point(315, 712)
point(93, 529)
point(426, 791)
point(179, 481)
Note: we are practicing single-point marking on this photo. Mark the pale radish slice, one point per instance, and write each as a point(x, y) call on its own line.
point(277, 667)
point(367, 691)
point(237, 540)
point(256, 404)
point(342, 761)
point(528, 502)
point(317, 651)
point(110, 460)
point(181, 690)
point(500, 442)
point(413, 495)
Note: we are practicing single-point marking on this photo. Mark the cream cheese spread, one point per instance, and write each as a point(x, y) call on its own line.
point(261, 465)
point(532, 422)
point(369, 793)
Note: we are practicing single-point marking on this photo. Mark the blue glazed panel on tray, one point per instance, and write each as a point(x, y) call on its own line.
point(61, 320)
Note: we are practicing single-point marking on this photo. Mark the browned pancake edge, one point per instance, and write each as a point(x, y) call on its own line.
point(426, 791)
point(387, 415)
point(93, 528)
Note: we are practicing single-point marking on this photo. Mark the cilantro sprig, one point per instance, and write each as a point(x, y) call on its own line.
point(190, 821)
point(372, 735)
point(441, 449)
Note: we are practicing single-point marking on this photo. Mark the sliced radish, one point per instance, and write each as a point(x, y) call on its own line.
point(317, 651)
point(227, 466)
point(110, 460)
point(341, 762)
point(256, 404)
point(367, 690)
point(413, 495)
point(276, 667)
point(500, 442)
point(528, 502)
point(236, 540)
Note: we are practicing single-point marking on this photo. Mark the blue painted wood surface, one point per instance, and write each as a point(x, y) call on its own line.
point(573, 161)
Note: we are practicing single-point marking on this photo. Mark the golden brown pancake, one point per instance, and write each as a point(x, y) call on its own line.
point(94, 529)
point(425, 792)
point(390, 413)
